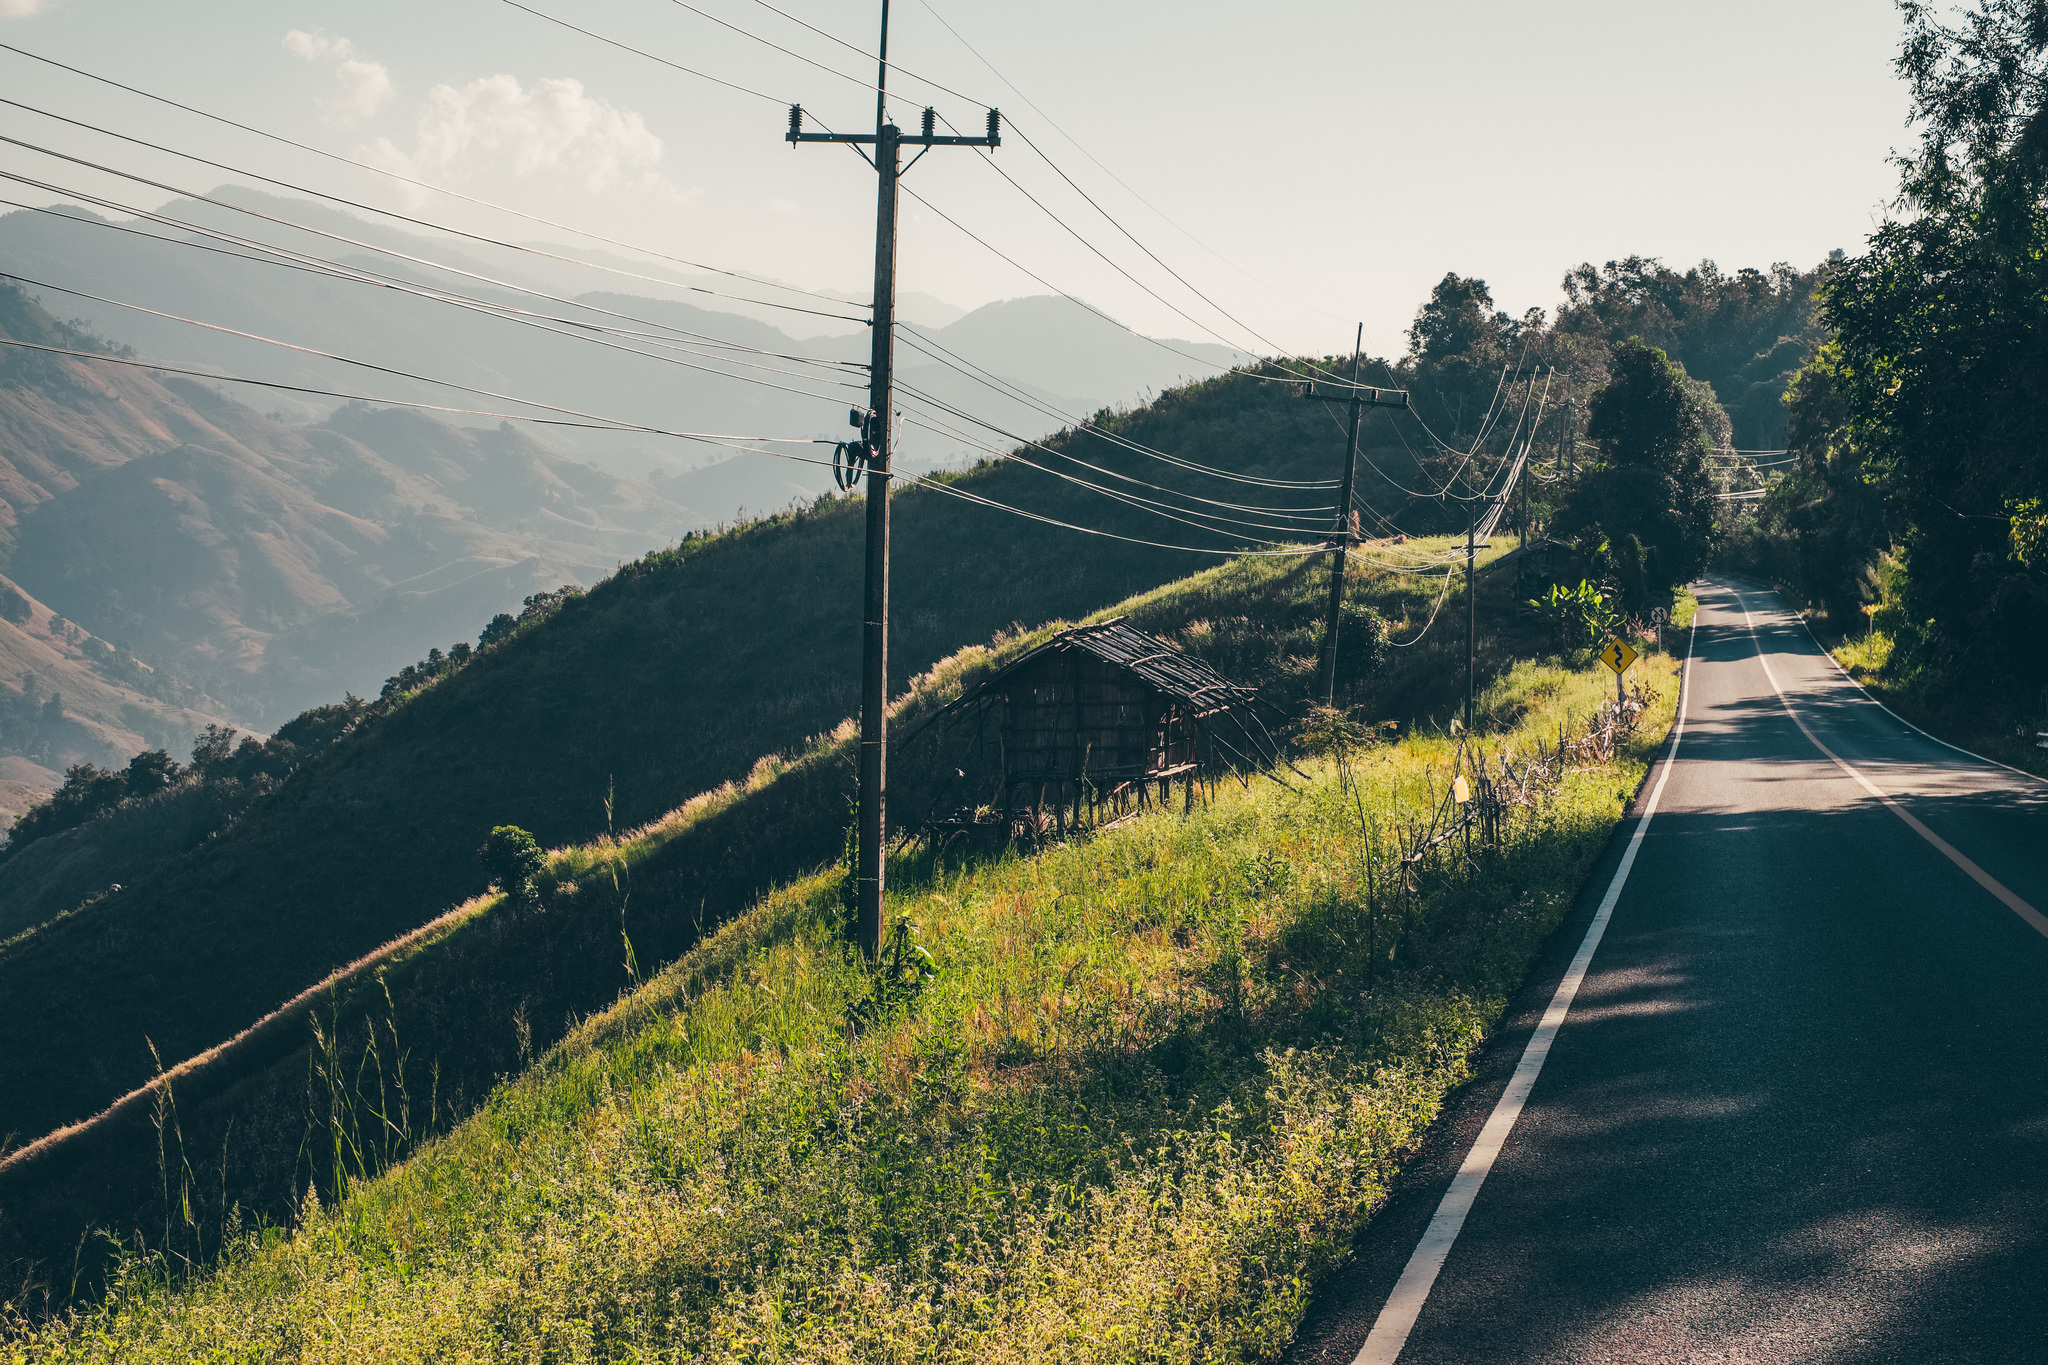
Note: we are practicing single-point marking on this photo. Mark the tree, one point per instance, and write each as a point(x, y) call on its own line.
point(1940, 353)
point(14, 607)
point(1824, 506)
point(1744, 333)
point(1458, 345)
point(1458, 319)
point(211, 750)
point(1648, 500)
point(86, 792)
point(512, 859)
point(501, 627)
point(151, 771)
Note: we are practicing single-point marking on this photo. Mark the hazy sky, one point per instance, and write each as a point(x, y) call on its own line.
point(1333, 160)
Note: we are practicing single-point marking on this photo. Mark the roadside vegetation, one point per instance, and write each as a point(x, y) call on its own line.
point(674, 675)
point(669, 678)
point(1910, 525)
point(482, 988)
point(1138, 1089)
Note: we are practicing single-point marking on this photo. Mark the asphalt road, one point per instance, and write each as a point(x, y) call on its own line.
point(1798, 1109)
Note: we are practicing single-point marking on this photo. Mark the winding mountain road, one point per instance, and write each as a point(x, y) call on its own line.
point(1796, 1108)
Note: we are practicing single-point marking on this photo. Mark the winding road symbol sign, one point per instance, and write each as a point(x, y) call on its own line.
point(1617, 656)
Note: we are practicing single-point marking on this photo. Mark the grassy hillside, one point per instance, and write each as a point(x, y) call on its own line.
point(472, 995)
point(1154, 1084)
point(673, 676)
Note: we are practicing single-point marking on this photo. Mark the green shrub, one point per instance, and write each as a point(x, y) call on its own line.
point(512, 859)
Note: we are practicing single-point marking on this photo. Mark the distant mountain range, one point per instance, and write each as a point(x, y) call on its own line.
point(192, 552)
point(249, 568)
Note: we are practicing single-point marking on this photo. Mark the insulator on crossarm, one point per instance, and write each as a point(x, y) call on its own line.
point(995, 123)
point(796, 121)
point(931, 120)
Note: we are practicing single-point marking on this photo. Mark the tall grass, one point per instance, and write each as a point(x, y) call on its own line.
point(1158, 1080)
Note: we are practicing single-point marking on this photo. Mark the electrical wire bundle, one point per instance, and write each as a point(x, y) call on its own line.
point(1270, 516)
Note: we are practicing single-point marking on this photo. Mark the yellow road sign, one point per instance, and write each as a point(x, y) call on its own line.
point(1617, 655)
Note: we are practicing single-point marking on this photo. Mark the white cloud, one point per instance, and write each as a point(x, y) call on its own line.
point(317, 46)
point(360, 90)
point(552, 128)
point(22, 9)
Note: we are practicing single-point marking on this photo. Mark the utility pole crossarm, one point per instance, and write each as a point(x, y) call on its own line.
point(992, 138)
point(907, 140)
point(1364, 395)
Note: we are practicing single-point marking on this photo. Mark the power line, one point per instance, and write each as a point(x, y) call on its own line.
point(640, 52)
point(592, 423)
point(371, 208)
point(978, 241)
point(979, 444)
point(318, 232)
point(1104, 257)
point(964, 415)
point(1442, 597)
point(1150, 505)
point(1414, 565)
point(957, 492)
point(767, 42)
point(1054, 124)
point(325, 355)
point(1256, 334)
point(285, 258)
point(409, 180)
point(968, 368)
point(1025, 441)
point(1145, 505)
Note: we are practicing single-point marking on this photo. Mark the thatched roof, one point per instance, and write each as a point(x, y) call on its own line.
point(1151, 660)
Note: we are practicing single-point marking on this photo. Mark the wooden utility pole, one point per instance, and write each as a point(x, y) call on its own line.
point(1360, 399)
point(1471, 620)
point(872, 453)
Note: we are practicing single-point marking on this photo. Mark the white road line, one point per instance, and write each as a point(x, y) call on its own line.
point(1967, 753)
point(1390, 1330)
point(2034, 918)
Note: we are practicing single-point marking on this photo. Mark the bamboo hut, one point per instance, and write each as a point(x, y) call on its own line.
point(1101, 721)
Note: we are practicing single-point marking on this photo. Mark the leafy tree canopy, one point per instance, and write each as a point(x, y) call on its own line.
point(1459, 318)
point(1940, 354)
point(1649, 497)
point(1743, 332)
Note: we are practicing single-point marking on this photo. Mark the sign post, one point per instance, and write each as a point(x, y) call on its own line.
point(1618, 655)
